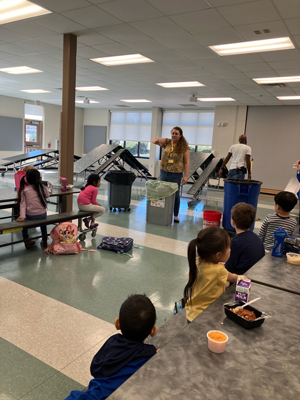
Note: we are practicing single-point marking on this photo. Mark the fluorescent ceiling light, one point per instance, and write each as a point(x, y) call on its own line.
point(90, 102)
point(120, 60)
point(137, 101)
point(20, 70)
point(15, 10)
point(256, 46)
point(216, 99)
point(288, 97)
point(179, 84)
point(277, 79)
point(90, 88)
point(35, 91)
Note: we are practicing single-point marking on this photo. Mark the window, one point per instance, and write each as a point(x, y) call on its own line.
point(132, 130)
point(197, 127)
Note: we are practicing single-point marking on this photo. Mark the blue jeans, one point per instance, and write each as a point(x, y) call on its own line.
point(234, 174)
point(34, 218)
point(173, 177)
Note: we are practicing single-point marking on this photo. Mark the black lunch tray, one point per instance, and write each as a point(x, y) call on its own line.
point(240, 320)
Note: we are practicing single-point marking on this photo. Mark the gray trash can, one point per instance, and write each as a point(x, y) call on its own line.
point(119, 189)
point(160, 210)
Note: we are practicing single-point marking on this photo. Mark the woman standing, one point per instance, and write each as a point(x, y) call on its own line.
point(175, 162)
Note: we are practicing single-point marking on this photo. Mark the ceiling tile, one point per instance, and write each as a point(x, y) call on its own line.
point(91, 38)
point(144, 45)
point(91, 17)
point(283, 64)
point(288, 72)
point(249, 13)
point(199, 21)
point(9, 36)
point(28, 29)
point(244, 58)
point(4, 54)
point(254, 67)
point(178, 64)
point(178, 6)
point(14, 49)
point(219, 36)
point(196, 53)
point(131, 10)
point(58, 23)
point(113, 49)
point(89, 52)
point(162, 55)
point(158, 27)
point(276, 28)
point(219, 3)
point(59, 5)
point(55, 40)
point(281, 55)
point(288, 8)
point(293, 25)
point(36, 46)
point(212, 62)
point(261, 74)
point(121, 33)
point(179, 41)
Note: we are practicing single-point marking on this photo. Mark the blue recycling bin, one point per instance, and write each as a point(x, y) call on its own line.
point(239, 191)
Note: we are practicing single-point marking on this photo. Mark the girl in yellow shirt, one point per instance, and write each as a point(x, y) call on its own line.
point(207, 278)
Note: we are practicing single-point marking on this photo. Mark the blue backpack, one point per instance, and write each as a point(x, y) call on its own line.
point(119, 245)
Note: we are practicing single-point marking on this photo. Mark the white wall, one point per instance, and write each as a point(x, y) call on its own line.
point(11, 107)
point(96, 117)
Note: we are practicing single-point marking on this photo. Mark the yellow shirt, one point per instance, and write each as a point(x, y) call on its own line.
point(177, 166)
point(209, 285)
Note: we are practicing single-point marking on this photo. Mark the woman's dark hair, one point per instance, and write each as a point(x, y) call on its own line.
point(182, 144)
point(137, 317)
point(93, 178)
point(33, 178)
point(209, 242)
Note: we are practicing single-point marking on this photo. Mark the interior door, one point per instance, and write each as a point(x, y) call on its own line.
point(33, 135)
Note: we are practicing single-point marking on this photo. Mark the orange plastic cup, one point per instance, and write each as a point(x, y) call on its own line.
point(217, 341)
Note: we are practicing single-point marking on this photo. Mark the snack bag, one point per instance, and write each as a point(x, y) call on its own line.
point(242, 290)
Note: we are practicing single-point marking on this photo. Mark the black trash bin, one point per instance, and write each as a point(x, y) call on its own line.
point(119, 189)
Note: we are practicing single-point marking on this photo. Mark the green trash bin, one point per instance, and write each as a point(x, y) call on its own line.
point(160, 202)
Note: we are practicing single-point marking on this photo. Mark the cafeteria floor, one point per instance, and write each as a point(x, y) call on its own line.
point(56, 311)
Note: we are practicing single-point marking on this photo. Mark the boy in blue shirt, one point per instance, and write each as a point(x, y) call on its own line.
point(246, 247)
point(122, 355)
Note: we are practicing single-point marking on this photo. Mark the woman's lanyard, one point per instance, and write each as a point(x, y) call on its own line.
point(171, 154)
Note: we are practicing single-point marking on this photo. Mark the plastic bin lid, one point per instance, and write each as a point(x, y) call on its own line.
point(120, 177)
point(249, 182)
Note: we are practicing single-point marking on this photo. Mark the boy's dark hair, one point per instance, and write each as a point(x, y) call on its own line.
point(93, 178)
point(286, 200)
point(243, 215)
point(209, 242)
point(137, 317)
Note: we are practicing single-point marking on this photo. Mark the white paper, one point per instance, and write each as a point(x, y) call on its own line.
point(293, 186)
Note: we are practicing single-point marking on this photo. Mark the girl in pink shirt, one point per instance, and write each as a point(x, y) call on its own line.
point(32, 197)
point(87, 201)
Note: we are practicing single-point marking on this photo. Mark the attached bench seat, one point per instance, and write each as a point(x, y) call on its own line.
point(14, 226)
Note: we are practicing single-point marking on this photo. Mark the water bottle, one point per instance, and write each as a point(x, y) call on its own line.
point(279, 236)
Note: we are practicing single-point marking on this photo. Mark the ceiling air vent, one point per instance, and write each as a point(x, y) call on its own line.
point(274, 85)
point(121, 106)
point(187, 105)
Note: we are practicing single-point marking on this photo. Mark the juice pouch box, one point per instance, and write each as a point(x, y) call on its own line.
point(242, 290)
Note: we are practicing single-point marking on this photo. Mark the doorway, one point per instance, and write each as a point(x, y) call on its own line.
point(32, 135)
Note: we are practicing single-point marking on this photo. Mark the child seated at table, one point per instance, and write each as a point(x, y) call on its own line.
point(246, 247)
point(284, 203)
point(122, 355)
point(207, 278)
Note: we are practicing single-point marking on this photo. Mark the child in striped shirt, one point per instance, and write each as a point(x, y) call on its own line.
point(284, 203)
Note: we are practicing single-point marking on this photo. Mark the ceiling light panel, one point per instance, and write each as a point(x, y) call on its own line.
point(137, 101)
point(20, 70)
point(35, 91)
point(180, 84)
point(90, 88)
point(277, 79)
point(85, 102)
point(122, 60)
point(16, 10)
point(288, 97)
point(256, 46)
point(216, 99)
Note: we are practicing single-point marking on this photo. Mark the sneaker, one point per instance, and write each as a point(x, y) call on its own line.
point(93, 226)
point(86, 223)
point(28, 243)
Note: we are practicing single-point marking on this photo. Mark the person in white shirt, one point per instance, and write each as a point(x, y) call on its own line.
point(240, 155)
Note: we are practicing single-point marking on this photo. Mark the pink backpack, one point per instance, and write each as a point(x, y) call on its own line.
point(64, 239)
